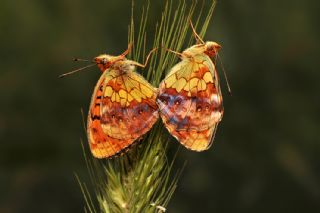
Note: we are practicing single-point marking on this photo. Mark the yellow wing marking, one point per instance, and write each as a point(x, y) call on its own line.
point(123, 94)
point(108, 91)
point(185, 75)
point(180, 84)
point(113, 97)
point(170, 80)
point(147, 90)
point(202, 85)
point(131, 86)
point(137, 95)
point(207, 77)
point(142, 85)
point(117, 97)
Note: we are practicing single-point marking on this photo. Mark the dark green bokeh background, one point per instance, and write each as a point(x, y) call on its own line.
point(266, 153)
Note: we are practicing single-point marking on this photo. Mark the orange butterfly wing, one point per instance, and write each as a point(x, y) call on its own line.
point(122, 109)
point(190, 102)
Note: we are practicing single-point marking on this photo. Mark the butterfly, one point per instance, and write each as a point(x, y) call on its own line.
point(190, 98)
point(123, 106)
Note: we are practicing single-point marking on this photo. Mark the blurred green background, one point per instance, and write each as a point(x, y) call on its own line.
point(266, 156)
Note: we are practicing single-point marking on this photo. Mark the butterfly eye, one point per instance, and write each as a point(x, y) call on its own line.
point(104, 61)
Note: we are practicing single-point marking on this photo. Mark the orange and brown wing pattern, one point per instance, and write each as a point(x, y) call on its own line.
point(190, 102)
point(123, 108)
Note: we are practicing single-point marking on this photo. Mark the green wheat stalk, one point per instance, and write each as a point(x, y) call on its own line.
point(141, 180)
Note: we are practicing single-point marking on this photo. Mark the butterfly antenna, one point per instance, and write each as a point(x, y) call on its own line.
point(77, 70)
point(147, 60)
point(225, 75)
point(80, 59)
point(199, 40)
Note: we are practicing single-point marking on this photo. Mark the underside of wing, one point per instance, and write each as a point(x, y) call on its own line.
point(123, 108)
point(190, 102)
point(196, 140)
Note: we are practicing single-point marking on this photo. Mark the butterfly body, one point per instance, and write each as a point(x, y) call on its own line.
point(190, 99)
point(123, 107)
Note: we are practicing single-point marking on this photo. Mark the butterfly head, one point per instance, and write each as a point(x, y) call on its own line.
point(211, 48)
point(105, 61)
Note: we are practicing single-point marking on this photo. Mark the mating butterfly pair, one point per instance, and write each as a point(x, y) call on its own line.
point(124, 106)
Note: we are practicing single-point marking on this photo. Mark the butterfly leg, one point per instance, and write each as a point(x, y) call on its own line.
point(128, 50)
point(175, 52)
point(147, 60)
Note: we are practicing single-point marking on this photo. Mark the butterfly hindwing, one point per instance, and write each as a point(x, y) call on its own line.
point(190, 102)
point(123, 108)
